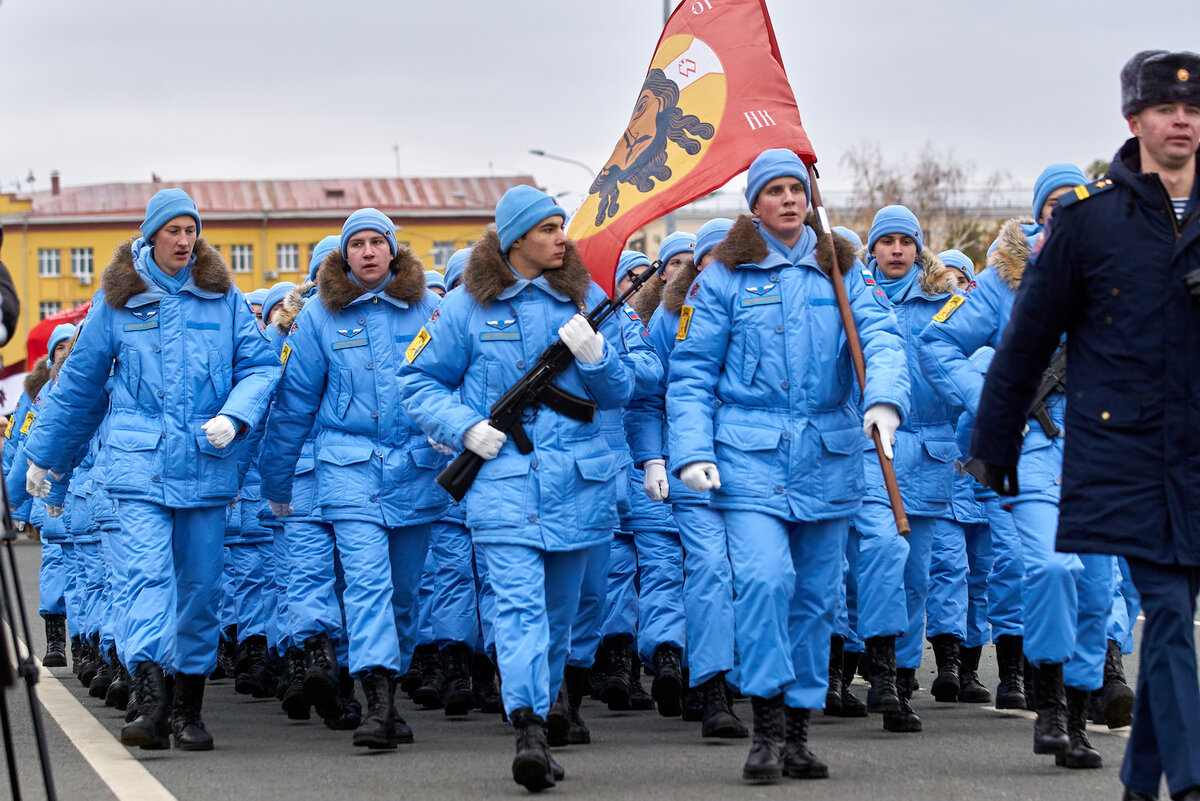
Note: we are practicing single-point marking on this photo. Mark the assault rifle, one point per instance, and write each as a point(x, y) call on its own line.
point(1053, 380)
point(536, 388)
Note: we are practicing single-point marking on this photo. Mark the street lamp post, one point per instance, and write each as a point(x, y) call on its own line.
point(591, 173)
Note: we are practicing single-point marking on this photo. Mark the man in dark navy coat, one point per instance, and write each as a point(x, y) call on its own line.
point(1119, 273)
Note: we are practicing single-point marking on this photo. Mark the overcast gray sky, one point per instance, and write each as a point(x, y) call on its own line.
point(112, 91)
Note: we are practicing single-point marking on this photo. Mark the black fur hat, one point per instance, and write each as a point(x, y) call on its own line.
point(1157, 76)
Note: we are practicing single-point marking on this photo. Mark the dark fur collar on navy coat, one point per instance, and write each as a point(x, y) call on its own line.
point(1012, 252)
point(487, 273)
point(337, 291)
point(121, 280)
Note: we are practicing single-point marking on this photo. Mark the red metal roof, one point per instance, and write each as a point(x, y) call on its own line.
point(305, 194)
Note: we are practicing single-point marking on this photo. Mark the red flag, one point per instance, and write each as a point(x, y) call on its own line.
point(715, 96)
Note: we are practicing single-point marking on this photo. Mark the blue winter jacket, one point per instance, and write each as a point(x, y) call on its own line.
point(340, 370)
point(486, 335)
point(15, 436)
point(176, 361)
point(762, 376)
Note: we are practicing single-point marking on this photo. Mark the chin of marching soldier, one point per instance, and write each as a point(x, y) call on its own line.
point(188, 374)
point(534, 516)
point(375, 469)
point(762, 374)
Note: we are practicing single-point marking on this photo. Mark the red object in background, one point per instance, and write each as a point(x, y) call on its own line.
point(39, 336)
point(715, 96)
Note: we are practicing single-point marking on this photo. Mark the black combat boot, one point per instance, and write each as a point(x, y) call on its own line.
point(639, 699)
point(429, 693)
point(576, 681)
point(852, 706)
point(945, 653)
point(411, 680)
point(457, 696)
point(905, 721)
point(295, 702)
point(667, 687)
point(531, 766)
point(321, 677)
point(98, 688)
point(483, 684)
point(76, 654)
point(616, 686)
point(351, 710)
point(719, 719)
point(833, 694)
point(148, 730)
point(970, 691)
point(1010, 693)
point(56, 641)
point(1113, 705)
point(1079, 753)
point(90, 661)
point(1030, 685)
point(799, 761)
point(226, 655)
point(118, 692)
point(378, 728)
point(765, 762)
point(253, 675)
point(599, 670)
point(881, 672)
point(692, 708)
point(187, 729)
point(558, 718)
point(1050, 728)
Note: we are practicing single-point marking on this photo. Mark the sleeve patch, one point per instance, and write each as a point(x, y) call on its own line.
point(28, 422)
point(951, 306)
point(685, 322)
point(417, 345)
point(283, 355)
point(9, 428)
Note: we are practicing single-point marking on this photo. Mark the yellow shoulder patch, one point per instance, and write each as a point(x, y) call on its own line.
point(9, 428)
point(417, 345)
point(951, 306)
point(283, 355)
point(685, 322)
point(28, 422)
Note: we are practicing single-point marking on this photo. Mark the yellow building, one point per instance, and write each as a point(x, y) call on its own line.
point(58, 241)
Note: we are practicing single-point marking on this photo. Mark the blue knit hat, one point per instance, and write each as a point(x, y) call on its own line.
point(849, 235)
point(274, 295)
point(771, 164)
point(455, 266)
point(673, 245)
point(434, 278)
point(257, 297)
point(629, 260)
point(521, 208)
point(368, 220)
point(1052, 178)
point(61, 331)
point(323, 248)
point(166, 205)
point(711, 234)
point(956, 258)
point(894, 220)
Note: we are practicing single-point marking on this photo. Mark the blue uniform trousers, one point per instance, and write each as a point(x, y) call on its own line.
point(537, 598)
point(707, 591)
point(383, 568)
point(911, 644)
point(173, 560)
point(279, 616)
point(1126, 606)
point(1006, 606)
point(252, 576)
point(425, 592)
point(72, 589)
point(1069, 597)
point(312, 595)
point(52, 581)
point(947, 598)
point(585, 630)
point(621, 602)
point(108, 621)
point(847, 626)
point(91, 587)
point(227, 613)
point(454, 607)
point(1165, 738)
point(785, 579)
point(660, 601)
point(880, 554)
point(487, 604)
point(981, 558)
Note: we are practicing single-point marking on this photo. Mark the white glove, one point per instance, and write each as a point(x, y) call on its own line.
point(220, 431)
point(53, 511)
point(484, 440)
point(884, 418)
point(35, 480)
point(19, 525)
point(701, 476)
point(585, 343)
point(655, 481)
point(442, 448)
point(280, 509)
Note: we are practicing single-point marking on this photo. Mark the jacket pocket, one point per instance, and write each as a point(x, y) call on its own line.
point(219, 373)
point(130, 361)
point(748, 458)
point(595, 496)
point(937, 483)
point(750, 356)
point(347, 475)
point(497, 499)
point(218, 469)
point(343, 390)
point(133, 459)
point(841, 463)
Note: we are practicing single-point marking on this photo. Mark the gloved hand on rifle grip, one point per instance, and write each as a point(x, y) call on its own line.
point(701, 476)
point(1001, 478)
point(884, 418)
point(655, 481)
point(585, 343)
point(483, 439)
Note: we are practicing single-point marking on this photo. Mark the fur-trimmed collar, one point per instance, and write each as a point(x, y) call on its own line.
point(487, 273)
point(121, 280)
point(337, 291)
point(1012, 252)
point(646, 299)
point(675, 292)
point(290, 306)
point(36, 379)
point(744, 245)
point(935, 279)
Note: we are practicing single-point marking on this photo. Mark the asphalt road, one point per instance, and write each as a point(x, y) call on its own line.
point(965, 752)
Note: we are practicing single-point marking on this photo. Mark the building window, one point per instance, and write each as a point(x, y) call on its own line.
point(48, 263)
point(81, 263)
point(242, 258)
point(287, 258)
point(49, 307)
point(442, 251)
